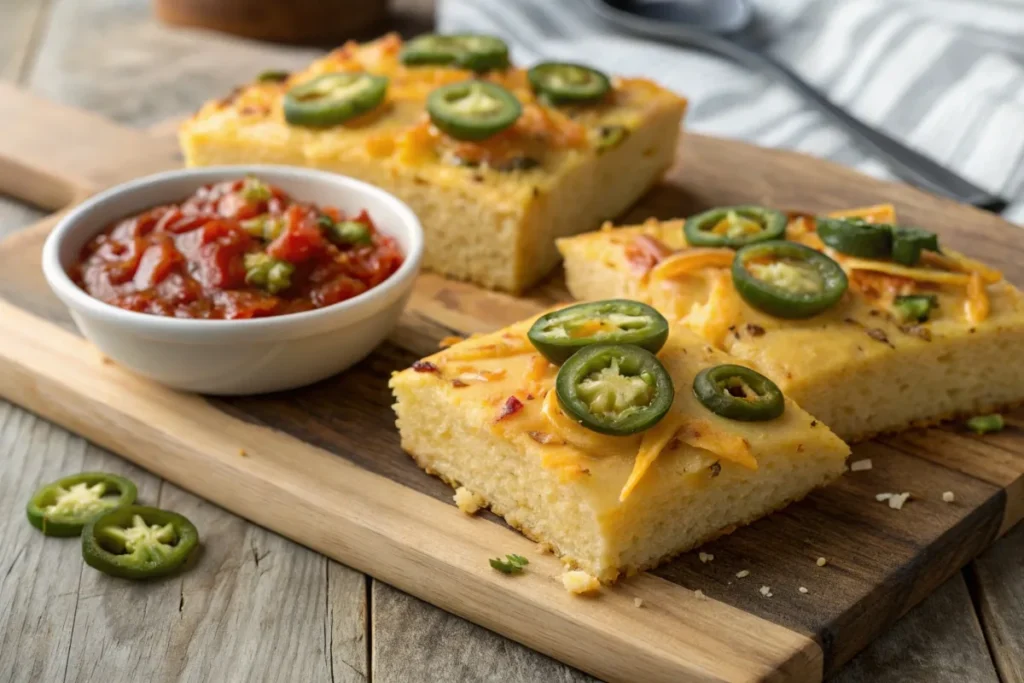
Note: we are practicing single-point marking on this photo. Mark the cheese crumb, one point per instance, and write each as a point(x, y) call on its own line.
point(742, 574)
point(821, 562)
point(802, 589)
point(579, 582)
point(705, 557)
point(766, 591)
point(882, 497)
point(699, 594)
point(467, 501)
point(860, 465)
point(638, 602)
point(948, 496)
point(897, 500)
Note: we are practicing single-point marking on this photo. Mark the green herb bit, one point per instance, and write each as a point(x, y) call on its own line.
point(512, 564)
point(255, 190)
point(350, 232)
point(610, 136)
point(914, 307)
point(266, 272)
point(264, 227)
point(272, 76)
point(983, 424)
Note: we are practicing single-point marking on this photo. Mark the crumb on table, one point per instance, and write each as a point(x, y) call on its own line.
point(579, 582)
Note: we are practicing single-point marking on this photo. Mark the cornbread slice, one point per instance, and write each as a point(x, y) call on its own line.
point(483, 414)
point(855, 366)
point(491, 210)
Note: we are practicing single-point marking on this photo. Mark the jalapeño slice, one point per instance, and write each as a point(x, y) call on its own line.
point(734, 226)
point(136, 542)
point(787, 279)
point(63, 507)
point(473, 110)
point(333, 98)
point(565, 83)
point(908, 243)
point(466, 50)
point(914, 307)
point(856, 237)
point(561, 333)
point(614, 389)
point(738, 393)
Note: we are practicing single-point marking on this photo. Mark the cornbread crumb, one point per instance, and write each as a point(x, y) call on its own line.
point(766, 591)
point(241, 452)
point(638, 602)
point(882, 497)
point(860, 465)
point(705, 557)
point(948, 496)
point(821, 562)
point(579, 582)
point(742, 574)
point(467, 501)
point(699, 594)
point(544, 548)
point(897, 500)
point(802, 589)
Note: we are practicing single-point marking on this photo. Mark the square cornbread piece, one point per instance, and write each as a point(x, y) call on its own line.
point(484, 415)
point(491, 209)
point(857, 366)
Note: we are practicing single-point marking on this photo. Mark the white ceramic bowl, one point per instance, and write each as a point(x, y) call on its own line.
point(236, 356)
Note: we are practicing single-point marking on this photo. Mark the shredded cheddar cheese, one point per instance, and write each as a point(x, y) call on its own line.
point(941, 277)
point(689, 260)
point(976, 306)
point(651, 446)
point(499, 349)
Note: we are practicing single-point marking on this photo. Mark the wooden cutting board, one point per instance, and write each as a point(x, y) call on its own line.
point(322, 465)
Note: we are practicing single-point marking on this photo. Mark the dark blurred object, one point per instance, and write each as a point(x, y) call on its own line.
point(286, 21)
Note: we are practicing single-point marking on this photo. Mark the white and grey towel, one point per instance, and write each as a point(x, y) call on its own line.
point(944, 76)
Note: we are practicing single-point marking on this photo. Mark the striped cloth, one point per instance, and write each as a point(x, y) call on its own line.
point(944, 76)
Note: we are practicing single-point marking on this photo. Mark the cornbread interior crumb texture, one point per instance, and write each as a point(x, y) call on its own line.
point(493, 227)
point(568, 494)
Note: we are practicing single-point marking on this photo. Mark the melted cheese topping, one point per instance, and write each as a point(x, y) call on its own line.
point(688, 261)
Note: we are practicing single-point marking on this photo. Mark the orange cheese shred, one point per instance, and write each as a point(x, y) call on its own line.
point(653, 443)
point(976, 306)
point(955, 261)
point(689, 260)
point(918, 274)
point(497, 349)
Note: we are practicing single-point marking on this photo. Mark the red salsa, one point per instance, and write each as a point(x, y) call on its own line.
point(237, 249)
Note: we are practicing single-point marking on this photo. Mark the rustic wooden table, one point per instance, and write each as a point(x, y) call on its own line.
point(258, 607)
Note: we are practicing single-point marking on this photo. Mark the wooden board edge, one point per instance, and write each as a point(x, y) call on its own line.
point(388, 530)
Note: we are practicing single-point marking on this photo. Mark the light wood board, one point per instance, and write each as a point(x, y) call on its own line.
point(376, 512)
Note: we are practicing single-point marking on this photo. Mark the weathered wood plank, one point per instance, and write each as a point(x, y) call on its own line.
point(415, 641)
point(21, 27)
point(939, 641)
point(997, 578)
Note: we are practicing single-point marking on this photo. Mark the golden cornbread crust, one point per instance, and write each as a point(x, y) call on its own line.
point(853, 366)
point(491, 210)
point(482, 414)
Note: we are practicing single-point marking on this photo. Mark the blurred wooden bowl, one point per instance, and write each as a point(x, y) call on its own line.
point(288, 21)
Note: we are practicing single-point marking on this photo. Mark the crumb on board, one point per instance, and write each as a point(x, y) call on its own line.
point(766, 591)
point(705, 557)
point(860, 465)
point(821, 562)
point(742, 574)
point(699, 594)
point(579, 582)
point(897, 500)
point(106, 360)
point(638, 602)
point(467, 501)
point(802, 589)
point(242, 452)
point(948, 497)
point(544, 548)
point(882, 497)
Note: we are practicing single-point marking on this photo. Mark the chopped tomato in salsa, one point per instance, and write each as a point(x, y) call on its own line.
point(237, 249)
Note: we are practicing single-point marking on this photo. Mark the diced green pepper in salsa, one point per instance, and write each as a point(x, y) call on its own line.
point(236, 249)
